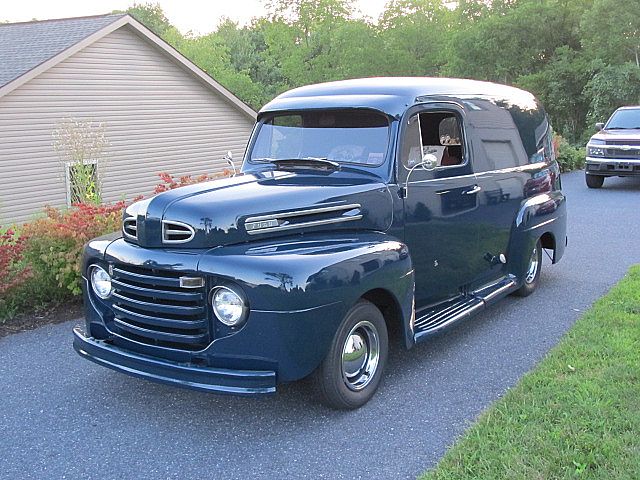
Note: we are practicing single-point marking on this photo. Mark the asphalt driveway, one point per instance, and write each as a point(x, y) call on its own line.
point(64, 417)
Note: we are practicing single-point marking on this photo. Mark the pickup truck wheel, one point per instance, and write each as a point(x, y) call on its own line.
point(594, 181)
point(351, 372)
point(532, 274)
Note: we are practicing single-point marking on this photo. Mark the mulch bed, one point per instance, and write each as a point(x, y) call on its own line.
point(55, 314)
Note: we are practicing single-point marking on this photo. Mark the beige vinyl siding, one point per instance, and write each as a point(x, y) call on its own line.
point(158, 117)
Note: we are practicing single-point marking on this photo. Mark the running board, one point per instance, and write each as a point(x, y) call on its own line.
point(436, 318)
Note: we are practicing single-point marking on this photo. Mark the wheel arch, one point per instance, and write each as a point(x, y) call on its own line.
point(548, 242)
point(389, 306)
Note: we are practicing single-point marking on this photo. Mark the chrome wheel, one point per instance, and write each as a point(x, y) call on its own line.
point(360, 355)
point(534, 263)
point(352, 368)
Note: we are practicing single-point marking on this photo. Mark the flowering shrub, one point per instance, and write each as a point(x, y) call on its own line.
point(53, 243)
point(42, 264)
point(169, 183)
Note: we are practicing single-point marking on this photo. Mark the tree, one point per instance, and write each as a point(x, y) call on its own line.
point(308, 38)
point(611, 31)
point(611, 87)
point(515, 39)
point(416, 36)
point(579, 60)
point(151, 16)
point(560, 86)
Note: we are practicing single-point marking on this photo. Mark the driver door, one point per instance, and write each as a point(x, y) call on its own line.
point(440, 204)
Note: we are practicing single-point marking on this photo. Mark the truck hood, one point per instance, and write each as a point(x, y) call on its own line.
point(259, 205)
point(618, 135)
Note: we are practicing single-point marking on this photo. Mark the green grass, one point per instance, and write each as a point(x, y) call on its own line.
point(577, 415)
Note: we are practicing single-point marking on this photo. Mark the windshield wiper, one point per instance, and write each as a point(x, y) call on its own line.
point(305, 162)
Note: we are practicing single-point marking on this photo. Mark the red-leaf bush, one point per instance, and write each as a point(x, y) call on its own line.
point(169, 183)
point(53, 243)
point(13, 271)
point(41, 264)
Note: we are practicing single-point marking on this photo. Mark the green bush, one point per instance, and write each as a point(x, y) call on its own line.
point(568, 156)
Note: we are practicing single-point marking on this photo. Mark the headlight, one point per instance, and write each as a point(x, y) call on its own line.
point(595, 151)
point(228, 306)
point(100, 281)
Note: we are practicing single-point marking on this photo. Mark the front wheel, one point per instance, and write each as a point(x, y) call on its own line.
point(532, 275)
point(351, 372)
point(594, 181)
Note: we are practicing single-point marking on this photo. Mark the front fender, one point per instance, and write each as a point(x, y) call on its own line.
point(306, 272)
point(299, 290)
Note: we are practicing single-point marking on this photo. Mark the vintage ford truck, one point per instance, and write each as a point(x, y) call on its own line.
point(362, 207)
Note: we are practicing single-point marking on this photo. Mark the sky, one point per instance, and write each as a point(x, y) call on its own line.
point(199, 16)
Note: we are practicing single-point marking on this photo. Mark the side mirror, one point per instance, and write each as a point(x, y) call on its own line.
point(599, 126)
point(229, 159)
point(429, 161)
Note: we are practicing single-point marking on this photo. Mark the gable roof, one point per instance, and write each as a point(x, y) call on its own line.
point(24, 46)
point(27, 49)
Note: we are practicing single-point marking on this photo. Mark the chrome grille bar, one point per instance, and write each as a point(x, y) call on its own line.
point(152, 307)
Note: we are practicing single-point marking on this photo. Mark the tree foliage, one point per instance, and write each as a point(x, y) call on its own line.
point(579, 56)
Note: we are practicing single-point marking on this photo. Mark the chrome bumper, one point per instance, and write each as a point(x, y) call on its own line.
point(208, 379)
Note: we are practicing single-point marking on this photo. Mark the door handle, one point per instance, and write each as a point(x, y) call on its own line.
point(474, 190)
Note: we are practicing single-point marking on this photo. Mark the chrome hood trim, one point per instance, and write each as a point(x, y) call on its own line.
point(278, 222)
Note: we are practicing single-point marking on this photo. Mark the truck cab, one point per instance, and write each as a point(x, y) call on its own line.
point(362, 207)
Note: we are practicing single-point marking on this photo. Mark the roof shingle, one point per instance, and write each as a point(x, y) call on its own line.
point(24, 46)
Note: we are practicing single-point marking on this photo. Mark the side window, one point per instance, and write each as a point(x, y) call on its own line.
point(437, 133)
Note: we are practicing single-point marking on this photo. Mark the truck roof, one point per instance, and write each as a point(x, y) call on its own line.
point(392, 95)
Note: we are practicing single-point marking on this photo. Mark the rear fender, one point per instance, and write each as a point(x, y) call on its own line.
point(543, 217)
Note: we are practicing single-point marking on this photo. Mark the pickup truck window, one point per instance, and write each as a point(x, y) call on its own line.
point(438, 133)
point(343, 136)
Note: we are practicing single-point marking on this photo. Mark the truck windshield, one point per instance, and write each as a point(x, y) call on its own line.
point(341, 136)
point(623, 119)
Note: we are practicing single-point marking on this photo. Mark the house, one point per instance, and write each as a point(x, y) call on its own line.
point(157, 111)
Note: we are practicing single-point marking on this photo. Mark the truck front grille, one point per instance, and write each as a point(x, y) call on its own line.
point(632, 154)
point(151, 307)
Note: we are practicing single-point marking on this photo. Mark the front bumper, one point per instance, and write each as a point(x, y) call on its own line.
point(208, 379)
point(612, 167)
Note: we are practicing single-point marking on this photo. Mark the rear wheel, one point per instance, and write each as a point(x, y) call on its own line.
point(532, 275)
point(351, 372)
point(594, 181)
